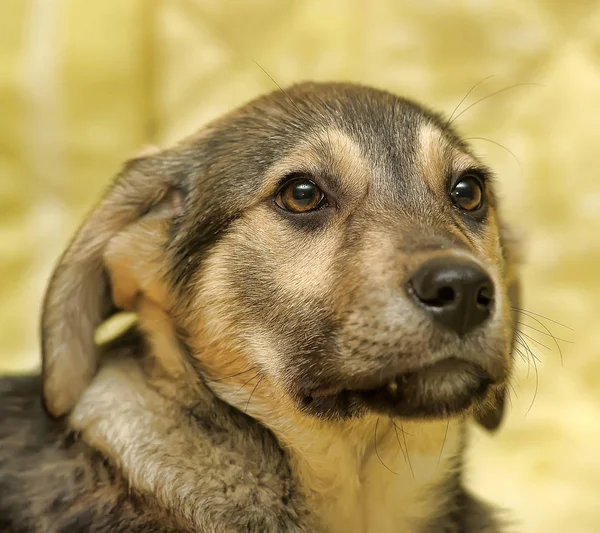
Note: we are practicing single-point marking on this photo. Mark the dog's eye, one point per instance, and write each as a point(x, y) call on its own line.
point(300, 195)
point(468, 192)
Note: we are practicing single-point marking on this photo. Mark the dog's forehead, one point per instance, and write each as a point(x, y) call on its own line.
point(336, 128)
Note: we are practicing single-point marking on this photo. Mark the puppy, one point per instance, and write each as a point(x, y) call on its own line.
point(325, 295)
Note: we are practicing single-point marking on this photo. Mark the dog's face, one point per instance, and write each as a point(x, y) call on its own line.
point(335, 243)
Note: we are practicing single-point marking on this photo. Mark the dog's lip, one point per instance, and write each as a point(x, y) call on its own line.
point(403, 378)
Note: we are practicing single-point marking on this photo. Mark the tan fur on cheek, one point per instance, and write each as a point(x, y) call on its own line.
point(297, 265)
point(296, 269)
point(218, 338)
point(301, 264)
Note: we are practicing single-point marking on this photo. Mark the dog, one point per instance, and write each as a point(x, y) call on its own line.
point(325, 293)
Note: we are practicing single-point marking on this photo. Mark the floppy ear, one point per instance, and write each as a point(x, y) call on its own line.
point(491, 414)
point(78, 298)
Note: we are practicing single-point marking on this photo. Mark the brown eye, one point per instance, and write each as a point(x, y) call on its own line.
point(468, 193)
point(300, 196)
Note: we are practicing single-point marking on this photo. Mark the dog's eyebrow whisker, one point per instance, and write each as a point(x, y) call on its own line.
point(528, 313)
point(277, 84)
point(252, 393)
point(449, 121)
point(500, 146)
point(499, 91)
point(377, 451)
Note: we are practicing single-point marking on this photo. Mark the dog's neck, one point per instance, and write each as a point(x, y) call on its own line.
point(376, 475)
point(363, 475)
point(359, 476)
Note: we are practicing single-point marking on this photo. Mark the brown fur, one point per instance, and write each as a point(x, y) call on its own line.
point(203, 418)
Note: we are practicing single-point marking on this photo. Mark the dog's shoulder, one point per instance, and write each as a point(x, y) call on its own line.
point(50, 481)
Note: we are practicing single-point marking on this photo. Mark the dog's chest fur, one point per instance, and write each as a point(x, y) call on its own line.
point(375, 477)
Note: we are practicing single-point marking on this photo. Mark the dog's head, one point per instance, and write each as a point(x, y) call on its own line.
point(335, 244)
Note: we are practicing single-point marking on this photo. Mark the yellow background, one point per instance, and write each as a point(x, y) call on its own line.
point(85, 84)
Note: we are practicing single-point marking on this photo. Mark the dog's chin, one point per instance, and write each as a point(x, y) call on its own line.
point(442, 390)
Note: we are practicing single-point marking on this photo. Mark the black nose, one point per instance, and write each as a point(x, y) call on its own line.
point(457, 292)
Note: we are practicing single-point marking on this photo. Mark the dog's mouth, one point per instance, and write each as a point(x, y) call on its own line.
point(445, 388)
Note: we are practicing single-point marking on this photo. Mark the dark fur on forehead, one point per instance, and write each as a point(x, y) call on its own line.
point(221, 169)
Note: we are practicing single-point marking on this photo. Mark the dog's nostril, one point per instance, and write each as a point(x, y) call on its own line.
point(446, 295)
point(441, 298)
point(485, 296)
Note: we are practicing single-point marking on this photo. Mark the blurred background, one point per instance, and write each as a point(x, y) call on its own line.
point(84, 85)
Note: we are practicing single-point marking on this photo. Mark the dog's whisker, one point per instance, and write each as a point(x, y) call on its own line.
point(246, 383)
point(407, 452)
point(252, 393)
point(537, 377)
point(528, 356)
point(449, 121)
point(377, 451)
point(535, 341)
point(277, 84)
point(443, 444)
point(398, 440)
point(537, 384)
point(527, 312)
point(232, 375)
point(404, 432)
point(528, 351)
point(499, 91)
point(527, 348)
point(554, 338)
point(500, 146)
point(508, 395)
point(524, 358)
point(547, 334)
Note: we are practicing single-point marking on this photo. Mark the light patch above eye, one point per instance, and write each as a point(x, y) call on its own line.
point(333, 156)
point(438, 157)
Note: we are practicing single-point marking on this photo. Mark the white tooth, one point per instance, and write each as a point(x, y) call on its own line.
point(392, 386)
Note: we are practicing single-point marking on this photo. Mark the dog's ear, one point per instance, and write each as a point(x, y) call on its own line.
point(84, 291)
point(491, 414)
